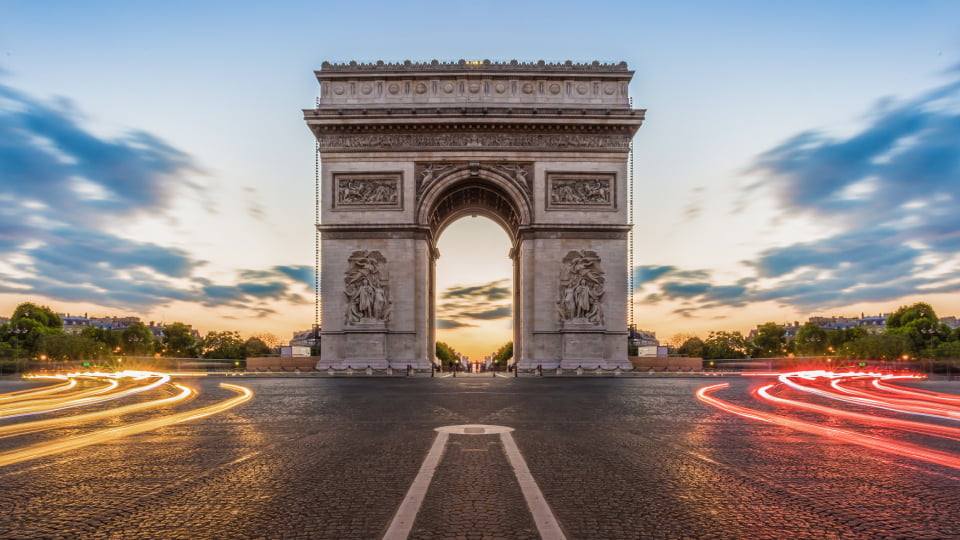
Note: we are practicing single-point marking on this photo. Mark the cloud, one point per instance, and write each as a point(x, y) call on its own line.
point(303, 274)
point(488, 292)
point(450, 324)
point(496, 313)
point(460, 304)
point(643, 274)
point(66, 193)
point(890, 193)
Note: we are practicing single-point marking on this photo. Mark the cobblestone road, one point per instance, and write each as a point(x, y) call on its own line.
point(614, 457)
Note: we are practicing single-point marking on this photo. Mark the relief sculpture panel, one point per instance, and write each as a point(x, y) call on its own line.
point(367, 288)
point(382, 191)
point(586, 191)
point(581, 290)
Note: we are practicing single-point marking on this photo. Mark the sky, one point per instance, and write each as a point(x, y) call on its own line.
point(797, 158)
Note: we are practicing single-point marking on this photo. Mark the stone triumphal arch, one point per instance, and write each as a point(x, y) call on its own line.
point(539, 148)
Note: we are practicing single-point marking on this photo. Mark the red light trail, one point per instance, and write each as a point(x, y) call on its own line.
point(819, 383)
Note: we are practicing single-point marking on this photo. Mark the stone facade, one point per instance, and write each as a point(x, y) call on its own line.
point(407, 149)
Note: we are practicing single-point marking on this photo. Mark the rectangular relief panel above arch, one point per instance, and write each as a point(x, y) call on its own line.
point(581, 191)
point(367, 191)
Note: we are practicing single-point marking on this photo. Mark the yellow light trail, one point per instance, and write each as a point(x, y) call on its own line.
point(89, 397)
point(55, 447)
point(41, 425)
point(36, 392)
point(36, 406)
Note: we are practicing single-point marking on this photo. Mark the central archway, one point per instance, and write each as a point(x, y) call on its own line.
point(475, 191)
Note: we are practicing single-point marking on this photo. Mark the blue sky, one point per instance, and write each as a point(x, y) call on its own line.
point(797, 158)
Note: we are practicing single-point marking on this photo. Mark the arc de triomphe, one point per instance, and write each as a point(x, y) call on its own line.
point(539, 148)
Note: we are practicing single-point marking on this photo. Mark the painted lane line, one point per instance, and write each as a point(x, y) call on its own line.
point(407, 513)
point(542, 515)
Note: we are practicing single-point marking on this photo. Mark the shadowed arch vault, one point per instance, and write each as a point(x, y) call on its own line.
point(407, 149)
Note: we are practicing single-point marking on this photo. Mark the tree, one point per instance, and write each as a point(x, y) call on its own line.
point(178, 341)
point(836, 339)
point(271, 340)
point(811, 340)
point(137, 340)
point(254, 347)
point(446, 354)
point(907, 314)
point(887, 346)
point(41, 314)
point(725, 345)
point(224, 344)
point(109, 338)
point(924, 335)
point(504, 353)
point(769, 341)
point(678, 339)
point(691, 347)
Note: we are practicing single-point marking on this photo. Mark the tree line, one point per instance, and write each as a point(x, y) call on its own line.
point(913, 331)
point(36, 333)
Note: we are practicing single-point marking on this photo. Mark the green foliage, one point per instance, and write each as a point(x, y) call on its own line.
point(178, 341)
point(811, 340)
point(908, 314)
point(836, 339)
point(137, 340)
point(62, 347)
point(886, 346)
point(254, 347)
point(725, 345)
point(224, 344)
point(769, 341)
point(41, 314)
point(693, 347)
point(446, 354)
point(504, 353)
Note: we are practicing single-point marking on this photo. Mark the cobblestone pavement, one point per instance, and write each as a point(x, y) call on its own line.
point(614, 457)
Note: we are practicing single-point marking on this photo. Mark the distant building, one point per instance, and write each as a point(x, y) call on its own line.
point(4, 320)
point(113, 323)
point(642, 338)
point(306, 338)
point(835, 323)
point(875, 324)
point(951, 321)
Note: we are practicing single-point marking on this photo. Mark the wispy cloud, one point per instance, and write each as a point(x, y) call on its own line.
point(461, 304)
point(890, 191)
point(66, 193)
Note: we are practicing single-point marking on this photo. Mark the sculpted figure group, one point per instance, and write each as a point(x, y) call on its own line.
point(580, 191)
point(581, 289)
point(367, 289)
point(367, 191)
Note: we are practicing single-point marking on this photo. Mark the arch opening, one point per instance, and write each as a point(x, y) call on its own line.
point(474, 286)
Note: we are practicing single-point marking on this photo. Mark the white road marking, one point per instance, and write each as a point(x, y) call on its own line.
point(543, 517)
point(407, 513)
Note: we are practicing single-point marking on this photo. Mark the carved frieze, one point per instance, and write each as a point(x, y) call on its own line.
point(456, 140)
point(520, 173)
point(581, 191)
point(581, 290)
point(380, 191)
point(367, 288)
